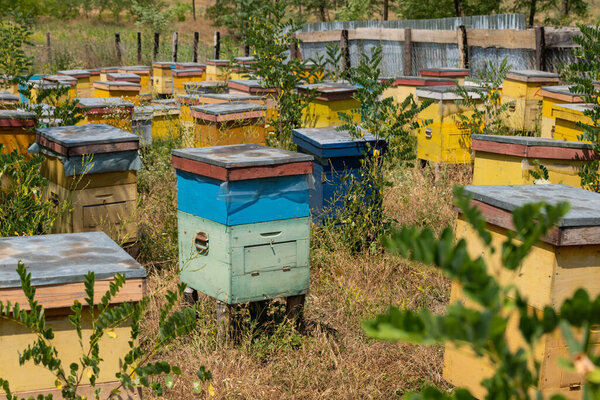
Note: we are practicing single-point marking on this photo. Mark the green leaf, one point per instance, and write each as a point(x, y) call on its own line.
point(197, 387)
point(169, 381)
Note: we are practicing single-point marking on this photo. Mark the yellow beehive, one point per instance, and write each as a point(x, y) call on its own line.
point(508, 160)
point(49, 85)
point(181, 76)
point(8, 101)
point(94, 76)
point(186, 122)
point(16, 130)
point(232, 123)
point(162, 77)
point(97, 172)
point(242, 68)
point(254, 87)
point(219, 98)
point(108, 110)
point(562, 262)
point(567, 119)
point(457, 74)
point(84, 87)
point(404, 86)
point(217, 70)
point(552, 95)
point(329, 100)
point(523, 90)
point(128, 91)
point(165, 120)
point(445, 139)
point(143, 71)
point(58, 264)
point(107, 70)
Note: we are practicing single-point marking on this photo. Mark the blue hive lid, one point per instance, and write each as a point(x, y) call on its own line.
point(585, 205)
point(327, 142)
point(65, 258)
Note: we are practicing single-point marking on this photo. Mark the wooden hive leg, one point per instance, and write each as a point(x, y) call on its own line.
point(294, 308)
point(223, 319)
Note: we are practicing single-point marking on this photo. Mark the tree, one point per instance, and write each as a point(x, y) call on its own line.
point(237, 16)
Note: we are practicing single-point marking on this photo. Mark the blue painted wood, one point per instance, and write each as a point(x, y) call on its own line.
point(243, 202)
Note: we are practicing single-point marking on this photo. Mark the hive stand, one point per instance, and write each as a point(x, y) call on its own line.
point(58, 265)
point(508, 160)
point(551, 96)
point(331, 99)
point(107, 110)
point(16, 130)
point(458, 74)
point(560, 263)
point(567, 118)
point(244, 222)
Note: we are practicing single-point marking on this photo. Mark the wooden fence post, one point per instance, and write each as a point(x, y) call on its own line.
point(407, 59)
point(195, 56)
point(463, 46)
point(217, 48)
point(194, 10)
point(118, 47)
point(48, 47)
point(345, 49)
point(293, 51)
point(540, 48)
point(156, 43)
point(175, 43)
point(139, 47)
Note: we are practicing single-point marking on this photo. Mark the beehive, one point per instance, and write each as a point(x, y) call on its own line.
point(141, 125)
point(563, 261)
point(162, 78)
point(567, 119)
point(404, 86)
point(217, 70)
point(523, 90)
point(58, 265)
point(50, 85)
point(552, 95)
point(84, 88)
point(186, 75)
point(94, 76)
point(243, 219)
point(201, 87)
point(508, 160)
point(107, 70)
point(331, 99)
point(232, 123)
point(257, 88)
point(458, 74)
point(218, 98)
point(107, 110)
point(186, 121)
point(8, 101)
point(95, 167)
point(7, 84)
point(445, 139)
point(189, 65)
point(123, 77)
point(338, 158)
point(16, 130)
point(164, 102)
point(144, 72)
point(165, 120)
point(128, 91)
point(242, 68)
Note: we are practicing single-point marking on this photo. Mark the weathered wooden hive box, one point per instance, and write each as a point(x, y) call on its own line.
point(523, 89)
point(8, 101)
point(186, 121)
point(107, 110)
point(567, 120)
point(217, 70)
point(231, 123)
point(165, 120)
point(445, 139)
point(181, 76)
point(107, 70)
point(203, 87)
point(141, 125)
point(129, 91)
point(565, 260)
point(244, 224)
point(242, 67)
point(256, 87)
point(84, 87)
point(459, 74)
point(508, 160)
point(144, 72)
point(16, 130)
point(403, 86)
point(162, 77)
point(95, 166)
point(58, 265)
point(338, 159)
point(329, 100)
point(551, 96)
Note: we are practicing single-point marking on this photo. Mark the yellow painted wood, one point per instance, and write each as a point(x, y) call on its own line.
point(321, 113)
point(162, 80)
point(53, 169)
point(400, 93)
point(548, 275)
point(217, 73)
point(117, 118)
point(178, 81)
point(501, 169)
point(72, 93)
point(84, 87)
point(16, 138)
point(9, 87)
point(165, 127)
point(523, 115)
point(566, 119)
point(548, 119)
point(235, 132)
point(128, 95)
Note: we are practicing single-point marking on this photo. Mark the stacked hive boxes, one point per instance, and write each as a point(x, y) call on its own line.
point(242, 67)
point(84, 88)
point(244, 223)
point(508, 160)
point(16, 130)
point(522, 90)
point(551, 96)
point(107, 70)
point(165, 120)
point(162, 78)
point(559, 264)
point(257, 88)
point(228, 123)
point(186, 75)
point(94, 76)
point(404, 86)
point(458, 74)
point(128, 91)
point(568, 119)
point(338, 160)
point(329, 100)
point(95, 167)
point(108, 110)
point(144, 72)
point(445, 140)
point(217, 70)
point(58, 265)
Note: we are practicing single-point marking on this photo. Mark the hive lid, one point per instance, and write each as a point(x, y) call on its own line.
point(136, 68)
point(117, 85)
point(329, 91)
point(228, 108)
point(165, 102)
point(86, 139)
point(218, 62)
point(64, 258)
point(573, 109)
point(193, 65)
point(158, 109)
point(123, 76)
point(444, 72)
point(103, 102)
point(250, 86)
point(231, 96)
point(241, 162)
point(188, 72)
point(532, 147)
point(328, 142)
point(17, 114)
point(419, 81)
point(532, 75)
point(444, 93)
point(109, 69)
point(163, 64)
point(242, 60)
point(77, 73)
point(585, 205)
point(8, 97)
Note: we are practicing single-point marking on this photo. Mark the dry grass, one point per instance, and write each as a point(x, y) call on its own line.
point(330, 357)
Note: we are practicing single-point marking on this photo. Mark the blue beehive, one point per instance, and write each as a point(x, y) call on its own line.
point(338, 156)
point(243, 218)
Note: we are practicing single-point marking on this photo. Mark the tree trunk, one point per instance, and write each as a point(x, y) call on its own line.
point(565, 8)
point(322, 10)
point(386, 6)
point(532, 12)
point(457, 8)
